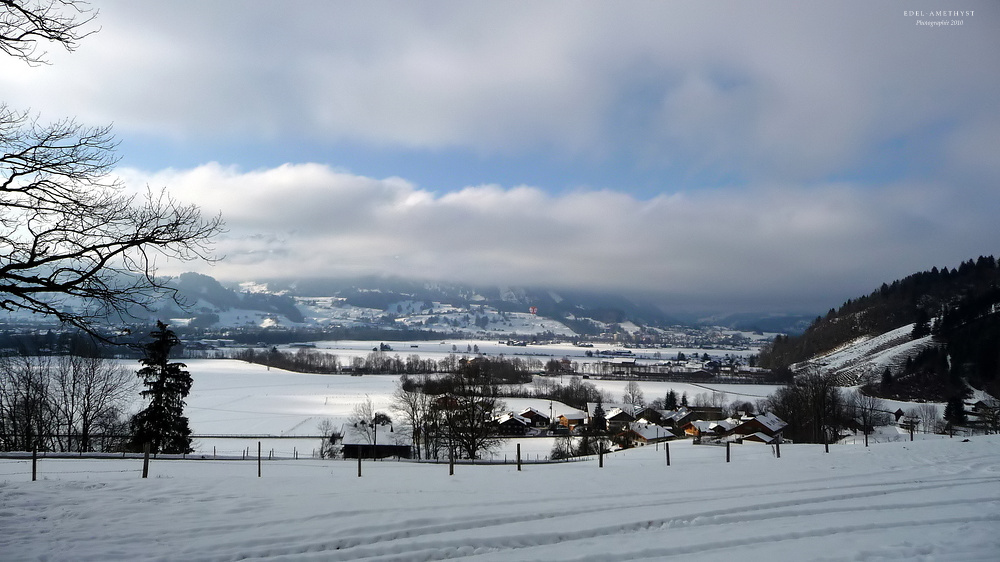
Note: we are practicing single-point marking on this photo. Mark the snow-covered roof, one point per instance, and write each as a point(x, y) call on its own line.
point(675, 414)
point(532, 411)
point(650, 431)
point(771, 422)
point(615, 412)
point(759, 436)
point(512, 416)
point(607, 406)
point(714, 426)
point(724, 425)
point(701, 425)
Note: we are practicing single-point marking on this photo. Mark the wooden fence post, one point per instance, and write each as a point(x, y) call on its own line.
point(258, 459)
point(519, 457)
point(777, 449)
point(359, 462)
point(727, 451)
point(451, 461)
point(666, 447)
point(34, 463)
point(145, 460)
point(600, 458)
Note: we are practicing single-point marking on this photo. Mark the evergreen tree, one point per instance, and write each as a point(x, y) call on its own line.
point(922, 327)
point(954, 411)
point(600, 422)
point(670, 403)
point(886, 380)
point(684, 399)
point(162, 424)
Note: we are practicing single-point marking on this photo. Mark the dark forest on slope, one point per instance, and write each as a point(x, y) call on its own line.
point(962, 304)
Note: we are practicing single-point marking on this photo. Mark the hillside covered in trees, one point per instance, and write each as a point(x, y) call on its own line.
point(961, 306)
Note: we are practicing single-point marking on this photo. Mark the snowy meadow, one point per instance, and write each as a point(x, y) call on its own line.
point(935, 498)
point(930, 499)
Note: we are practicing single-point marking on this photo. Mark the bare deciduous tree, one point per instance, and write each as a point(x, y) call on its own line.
point(74, 245)
point(929, 417)
point(812, 405)
point(367, 421)
point(26, 420)
point(69, 233)
point(868, 411)
point(331, 436)
point(88, 391)
point(68, 403)
point(468, 415)
point(633, 397)
point(24, 24)
point(413, 408)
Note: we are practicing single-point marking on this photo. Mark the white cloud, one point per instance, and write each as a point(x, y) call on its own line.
point(773, 245)
point(782, 97)
point(770, 90)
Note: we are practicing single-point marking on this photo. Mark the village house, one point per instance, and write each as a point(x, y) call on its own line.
point(700, 429)
point(571, 420)
point(762, 428)
point(617, 419)
point(676, 419)
point(358, 444)
point(512, 424)
point(537, 419)
point(638, 434)
point(650, 415)
point(616, 416)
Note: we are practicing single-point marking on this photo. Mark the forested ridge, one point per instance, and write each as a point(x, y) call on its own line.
point(961, 304)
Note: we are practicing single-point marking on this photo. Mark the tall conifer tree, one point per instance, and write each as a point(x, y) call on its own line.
point(163, 424)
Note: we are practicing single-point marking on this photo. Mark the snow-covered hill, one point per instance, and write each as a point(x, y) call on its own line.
point(865, 358)
point(933, 499)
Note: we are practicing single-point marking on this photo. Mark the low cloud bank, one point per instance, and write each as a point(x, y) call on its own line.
point(767, 246)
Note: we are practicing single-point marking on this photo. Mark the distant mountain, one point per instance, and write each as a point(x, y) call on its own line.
point(952, 314)
point(782, 323)
point(563, 305)
point(391, 303)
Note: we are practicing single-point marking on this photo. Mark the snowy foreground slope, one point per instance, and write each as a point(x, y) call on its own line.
point(933, 499)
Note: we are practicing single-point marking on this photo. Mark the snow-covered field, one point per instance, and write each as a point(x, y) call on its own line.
point(932, 499)
point(437, 350)
point(232, 397)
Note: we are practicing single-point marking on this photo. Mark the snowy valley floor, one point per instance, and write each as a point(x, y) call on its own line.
point(933, 499)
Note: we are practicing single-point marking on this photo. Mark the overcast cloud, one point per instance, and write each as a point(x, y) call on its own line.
point(754, 155)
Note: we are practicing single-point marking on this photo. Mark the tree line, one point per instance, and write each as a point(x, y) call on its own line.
point(454, 415)
point(929, 294)
point(65, 403)
point(957, 307)
point(80, 403)
point(307, 360)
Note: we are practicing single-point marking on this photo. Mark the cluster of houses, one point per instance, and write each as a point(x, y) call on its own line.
point(649, 425)
point(644, 426)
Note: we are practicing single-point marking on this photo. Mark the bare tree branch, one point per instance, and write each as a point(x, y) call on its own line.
point(73, 244)
point(23, 24)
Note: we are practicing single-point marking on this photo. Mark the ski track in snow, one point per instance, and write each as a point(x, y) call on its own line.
point(931, 499)
point(935, 499)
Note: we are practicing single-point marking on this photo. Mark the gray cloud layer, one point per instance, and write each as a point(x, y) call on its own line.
point(863, 145)
point(770, 245)
point(767, 89)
